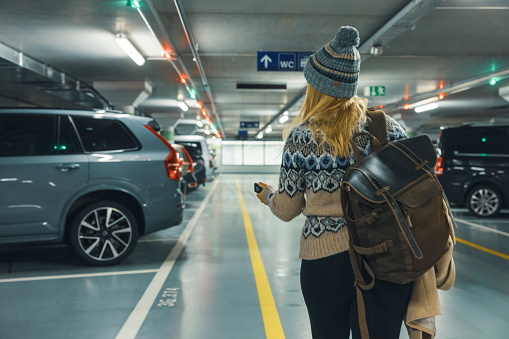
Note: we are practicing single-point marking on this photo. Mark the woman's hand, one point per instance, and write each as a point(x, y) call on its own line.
point(260, 195)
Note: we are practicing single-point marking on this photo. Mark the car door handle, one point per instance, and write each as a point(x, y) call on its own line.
point(68, 167)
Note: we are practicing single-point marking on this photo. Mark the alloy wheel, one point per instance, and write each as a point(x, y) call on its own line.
point(484, 202)
point(105, 233)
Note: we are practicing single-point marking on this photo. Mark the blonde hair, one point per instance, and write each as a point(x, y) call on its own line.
point(332, 120)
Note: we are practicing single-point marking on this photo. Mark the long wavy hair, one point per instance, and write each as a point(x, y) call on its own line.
point(332, 120)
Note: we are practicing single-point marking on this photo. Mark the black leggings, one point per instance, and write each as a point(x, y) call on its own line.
point(327, 287)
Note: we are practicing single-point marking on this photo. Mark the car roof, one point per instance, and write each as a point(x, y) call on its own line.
point(113, 115)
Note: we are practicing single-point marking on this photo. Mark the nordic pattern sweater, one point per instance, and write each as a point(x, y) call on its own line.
point(309, 183)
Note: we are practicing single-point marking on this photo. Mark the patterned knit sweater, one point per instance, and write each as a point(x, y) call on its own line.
point(309, 183)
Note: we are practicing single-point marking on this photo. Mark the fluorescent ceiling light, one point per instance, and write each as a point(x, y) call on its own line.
point(207, 132)
point(423, 102)
point(182, 106)
point(268, 129)
point(199, 123)
point(126, 45)
point(426, 107)
point(283, 119)
point(259, 136)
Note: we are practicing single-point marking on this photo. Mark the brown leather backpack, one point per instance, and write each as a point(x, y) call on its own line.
point(396, 212)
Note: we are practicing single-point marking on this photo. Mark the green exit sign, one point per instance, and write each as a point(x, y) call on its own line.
point(374, 91)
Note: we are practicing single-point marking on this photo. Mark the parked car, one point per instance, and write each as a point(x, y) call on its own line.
point(198, 148)
point(95, 181)
point(473, 167)
point(189, 181)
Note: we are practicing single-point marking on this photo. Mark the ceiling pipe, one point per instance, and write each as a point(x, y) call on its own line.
point(192, 45)
point(397, 25)
point(461, 86)
point(162, 35)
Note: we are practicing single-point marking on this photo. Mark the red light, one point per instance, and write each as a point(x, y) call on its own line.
point(168, 55)
point(183, 79)
point(441, 85)
point(190, 160)
point(172, 161)
point(441, 96)
point(439, 167)
point(200, 105)
point(204, 112)
point(407, 106)
point(381, 106)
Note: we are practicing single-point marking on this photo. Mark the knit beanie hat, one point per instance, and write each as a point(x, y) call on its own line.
point(334, 69)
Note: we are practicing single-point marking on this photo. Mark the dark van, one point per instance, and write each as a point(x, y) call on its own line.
point(473, 167)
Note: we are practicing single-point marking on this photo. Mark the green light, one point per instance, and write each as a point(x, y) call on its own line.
point(493, 82)
point(192, 93)
point(133, 3)
point(483, 139)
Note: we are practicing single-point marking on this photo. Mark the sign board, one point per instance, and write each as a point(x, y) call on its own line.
point(282, 61)
point(249, 124)
point(374, 91)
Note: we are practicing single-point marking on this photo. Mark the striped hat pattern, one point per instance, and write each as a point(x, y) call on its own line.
point(334, 69)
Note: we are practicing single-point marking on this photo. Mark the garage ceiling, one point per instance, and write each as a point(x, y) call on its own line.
point(61, 53)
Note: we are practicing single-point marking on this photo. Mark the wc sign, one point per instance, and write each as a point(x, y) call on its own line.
point(282, 61)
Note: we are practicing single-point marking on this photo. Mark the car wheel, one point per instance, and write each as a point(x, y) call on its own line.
point(103, 233)
point(484, 201)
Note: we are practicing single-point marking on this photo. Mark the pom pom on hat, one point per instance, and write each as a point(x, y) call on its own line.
point(347, 36)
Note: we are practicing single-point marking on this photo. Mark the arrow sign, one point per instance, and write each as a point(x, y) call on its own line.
point(282, 61)
point(265, 60)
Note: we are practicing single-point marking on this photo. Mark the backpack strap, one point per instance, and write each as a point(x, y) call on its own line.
point(378, 127)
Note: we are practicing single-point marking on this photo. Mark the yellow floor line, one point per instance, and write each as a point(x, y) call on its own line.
point(479, 247)
point(273, 328)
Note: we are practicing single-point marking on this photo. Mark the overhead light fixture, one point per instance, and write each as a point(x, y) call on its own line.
point(126, 45)
point(207, 132)
point(182, 106)
point(423, 102)
point(283, 119)
point(199, 123)
point(260, 136)
point(426, 107)
point(268, 130)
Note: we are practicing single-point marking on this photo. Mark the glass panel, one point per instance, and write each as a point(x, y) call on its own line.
point(231, 153)
point(253, 153)
point(68, 142)
point(104, 135)
point(273, 152)
point(27, 134)
point(484, 141)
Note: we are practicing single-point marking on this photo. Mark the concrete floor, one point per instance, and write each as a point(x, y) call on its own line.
point(196, 280)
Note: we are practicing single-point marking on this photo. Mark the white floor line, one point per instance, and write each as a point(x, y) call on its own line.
point(481, 227)
point(140, 312)
point(73, 276)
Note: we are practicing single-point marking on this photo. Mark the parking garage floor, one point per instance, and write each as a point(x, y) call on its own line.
point(231, 270)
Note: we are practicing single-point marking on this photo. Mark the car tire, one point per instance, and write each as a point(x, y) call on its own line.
point(103, 233)
point(484, 201)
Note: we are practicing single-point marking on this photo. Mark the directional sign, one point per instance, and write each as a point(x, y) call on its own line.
point(374, 91)
point(282, 61)
point(249, 124)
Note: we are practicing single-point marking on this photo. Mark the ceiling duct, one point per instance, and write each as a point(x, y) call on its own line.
point(248, 86)
point(28, 74)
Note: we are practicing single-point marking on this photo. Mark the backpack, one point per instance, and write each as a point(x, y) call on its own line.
point(397, 215)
